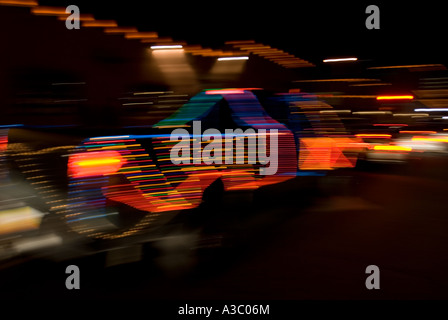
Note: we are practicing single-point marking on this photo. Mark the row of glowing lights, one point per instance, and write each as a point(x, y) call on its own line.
point(109, 25)
point(165, 47)
point(401, 148)
point(102, 161)
point(89, 21)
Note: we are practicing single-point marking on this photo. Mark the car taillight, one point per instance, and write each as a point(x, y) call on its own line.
point(99, 163)
point(3, 143)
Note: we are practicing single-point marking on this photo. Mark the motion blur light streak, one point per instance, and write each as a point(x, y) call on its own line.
point(109, 138)
point(141, 35)
point(402, 97)
point(19, 3)
point(430, 110)
point(100, 24)
point(340, 60)
point(430, 139)
point(94, 163)
point(119, 30)
point(40, 242)
point(372, 112)
point(98, 162)
point(225, 91)
point(19, 220)
point(49, 11)
point(417, 132)
point(391, 148)
point(335, 111)
point(232, 58)
point(166, 47)
point(409, 114)
point(408, 66)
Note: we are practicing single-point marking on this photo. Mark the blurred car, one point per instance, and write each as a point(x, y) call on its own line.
point(109, 188)
point(112, 175)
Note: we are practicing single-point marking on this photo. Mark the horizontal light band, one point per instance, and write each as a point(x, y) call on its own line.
point(392, 148)
point(232, 58)
point(340, 60)
point(176, 46)
point(404, 97)
point(431, 110)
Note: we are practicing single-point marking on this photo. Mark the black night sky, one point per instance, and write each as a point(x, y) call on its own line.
point(410, 32)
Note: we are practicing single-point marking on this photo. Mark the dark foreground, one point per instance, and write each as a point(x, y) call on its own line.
point(310, 238)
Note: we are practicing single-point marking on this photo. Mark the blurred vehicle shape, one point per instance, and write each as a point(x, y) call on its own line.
point(111, 175)
point(110, 187)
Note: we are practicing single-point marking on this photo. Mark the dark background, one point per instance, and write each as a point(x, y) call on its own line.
point(410, 32)
point(307, 240)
